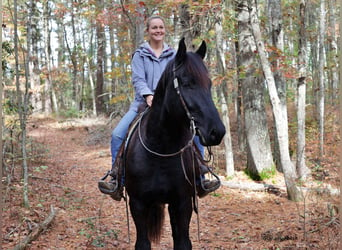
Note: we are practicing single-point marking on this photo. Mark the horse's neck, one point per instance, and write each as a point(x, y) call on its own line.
point(162, 128)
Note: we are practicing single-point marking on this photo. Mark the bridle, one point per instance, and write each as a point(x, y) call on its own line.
point(190, 117)
point(192, 129)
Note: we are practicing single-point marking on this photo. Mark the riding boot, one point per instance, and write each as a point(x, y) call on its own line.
point(112, 187)
point(205, 186)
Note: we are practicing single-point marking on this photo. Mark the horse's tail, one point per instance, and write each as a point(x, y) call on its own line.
point(155, 222)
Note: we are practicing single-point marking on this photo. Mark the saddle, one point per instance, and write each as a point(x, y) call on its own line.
point(119, 163)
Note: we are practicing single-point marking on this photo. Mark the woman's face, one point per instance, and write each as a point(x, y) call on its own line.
point(156, 30)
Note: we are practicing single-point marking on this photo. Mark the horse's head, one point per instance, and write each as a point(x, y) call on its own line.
point(187, 94)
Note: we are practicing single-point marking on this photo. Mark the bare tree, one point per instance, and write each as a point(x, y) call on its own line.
point(259, 155)
point(33, 62)
point(100, 35)
point(72, 50)
point(22, 99)
point(302, 169)
point(49, 90)
point(333, 51)
point(321, 73)
point(223, 95)
point(281, 122)
point(276, 34)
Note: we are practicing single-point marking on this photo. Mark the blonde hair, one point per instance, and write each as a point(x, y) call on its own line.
point(148, 22)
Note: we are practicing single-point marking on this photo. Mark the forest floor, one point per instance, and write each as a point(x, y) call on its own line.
point(71, 156)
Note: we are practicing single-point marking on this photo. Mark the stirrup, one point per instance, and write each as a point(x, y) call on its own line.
point(105, 176)
point(115, 192)
point(210, 189)
point(105, 187)
point(203, 191)
point(204, 169)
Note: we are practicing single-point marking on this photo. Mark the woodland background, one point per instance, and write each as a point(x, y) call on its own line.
point(274, 66)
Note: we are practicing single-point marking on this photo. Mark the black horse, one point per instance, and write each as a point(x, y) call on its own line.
point(159, 160)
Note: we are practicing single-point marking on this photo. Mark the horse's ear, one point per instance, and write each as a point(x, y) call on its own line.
point(202, 49)
point(181, 52)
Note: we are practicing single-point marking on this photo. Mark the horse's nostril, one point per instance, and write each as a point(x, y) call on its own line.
point(216, 135)
point(213, 134)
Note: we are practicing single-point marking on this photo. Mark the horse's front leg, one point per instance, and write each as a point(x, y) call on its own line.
point(180, 216)
point(139, 214)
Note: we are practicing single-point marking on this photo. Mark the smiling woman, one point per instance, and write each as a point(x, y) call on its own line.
point(148, 62)
point(156, 33)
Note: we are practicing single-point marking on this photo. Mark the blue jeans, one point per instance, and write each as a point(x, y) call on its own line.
point(120, 131)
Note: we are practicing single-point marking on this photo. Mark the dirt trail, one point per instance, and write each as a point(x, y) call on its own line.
point(86, 219)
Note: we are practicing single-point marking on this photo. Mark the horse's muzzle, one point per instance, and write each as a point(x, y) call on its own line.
point(213, 136)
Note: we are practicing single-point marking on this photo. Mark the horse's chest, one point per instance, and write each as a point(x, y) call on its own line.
point(158, 176)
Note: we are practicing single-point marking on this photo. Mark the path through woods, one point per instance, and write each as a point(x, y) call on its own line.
point(66, 179)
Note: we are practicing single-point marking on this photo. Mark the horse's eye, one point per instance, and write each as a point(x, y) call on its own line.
point(187, 82)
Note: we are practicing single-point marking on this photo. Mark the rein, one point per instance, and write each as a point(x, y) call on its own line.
point(192, 129)
point(181, 151)
point(191, 118)
point(189, 144)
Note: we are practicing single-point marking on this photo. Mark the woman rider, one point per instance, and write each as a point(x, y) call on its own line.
point(148, 63)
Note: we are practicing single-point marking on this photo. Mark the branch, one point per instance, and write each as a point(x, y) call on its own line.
point(263, 187)
point(254, 187)
point(37, 231)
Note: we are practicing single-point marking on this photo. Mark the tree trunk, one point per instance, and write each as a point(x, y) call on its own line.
point(280, 119)
point(239, 106)
point(234, 48)
point(321, 78)
point(60, 56)
point(22, 99)
point(222, 97)
point(34, 71)
point(50, 92)
point(229, 156)
point(113, 87)
point(73, 58)
point(259, 155)
point(333, 48)
point(139, 23)
point(100, 55)
point(277, 40)
point(92, 86)
point(184, 17)
point(302, 170)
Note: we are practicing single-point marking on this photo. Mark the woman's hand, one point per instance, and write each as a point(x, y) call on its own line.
point(149, 99)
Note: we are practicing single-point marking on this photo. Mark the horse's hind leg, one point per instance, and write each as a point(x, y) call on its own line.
point(180, 216)
point(139, 214)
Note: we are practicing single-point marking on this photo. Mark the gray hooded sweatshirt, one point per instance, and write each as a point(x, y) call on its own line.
point(146, 71)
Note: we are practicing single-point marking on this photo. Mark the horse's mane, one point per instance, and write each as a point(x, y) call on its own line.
point(192, 65)
point(196, 67)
